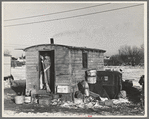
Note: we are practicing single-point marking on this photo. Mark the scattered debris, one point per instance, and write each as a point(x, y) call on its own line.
point(109, 103)
point(94, 95)
point(120, 100)
point(78, 101)
point(103, 99)
point(78, 94)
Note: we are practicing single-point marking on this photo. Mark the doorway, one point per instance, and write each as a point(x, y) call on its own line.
point(50, 70)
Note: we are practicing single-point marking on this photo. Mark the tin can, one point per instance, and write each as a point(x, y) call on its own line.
point(27, 99)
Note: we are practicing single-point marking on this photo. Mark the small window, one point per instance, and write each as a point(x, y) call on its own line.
point(84, 60)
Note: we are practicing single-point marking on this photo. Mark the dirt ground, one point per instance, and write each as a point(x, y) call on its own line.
point(11, 109)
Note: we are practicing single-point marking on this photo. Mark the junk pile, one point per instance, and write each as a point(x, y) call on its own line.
point(85, 97)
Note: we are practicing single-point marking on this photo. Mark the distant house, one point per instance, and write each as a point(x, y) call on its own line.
point(7, 65)
point(68, 64)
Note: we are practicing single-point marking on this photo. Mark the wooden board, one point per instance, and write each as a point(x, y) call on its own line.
point(62, 72)
point(62, 80)
point(62, 61)
point(32, 53)
point(62, 64)
point(31, 67)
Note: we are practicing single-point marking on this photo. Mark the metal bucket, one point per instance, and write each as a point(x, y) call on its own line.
point(19, 99)
point(91, 73)
point(91, 80)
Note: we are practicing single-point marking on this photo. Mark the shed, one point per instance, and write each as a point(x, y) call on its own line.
point(68, 64)
point(7, 65)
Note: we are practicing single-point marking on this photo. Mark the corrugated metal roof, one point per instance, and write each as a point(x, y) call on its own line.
point(70, 47)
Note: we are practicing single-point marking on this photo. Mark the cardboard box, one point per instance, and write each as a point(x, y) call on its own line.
point(63, 89)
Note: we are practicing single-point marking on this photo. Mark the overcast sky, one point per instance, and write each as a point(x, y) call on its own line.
point(95, 29)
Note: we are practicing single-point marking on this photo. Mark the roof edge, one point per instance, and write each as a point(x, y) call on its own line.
point(70, 47)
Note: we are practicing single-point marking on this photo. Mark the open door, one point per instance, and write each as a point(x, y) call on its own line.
point(50, 71)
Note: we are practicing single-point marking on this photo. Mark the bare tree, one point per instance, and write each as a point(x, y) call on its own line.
point(131, 55)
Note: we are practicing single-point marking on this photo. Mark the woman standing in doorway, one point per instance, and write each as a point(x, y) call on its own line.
point(46, 63)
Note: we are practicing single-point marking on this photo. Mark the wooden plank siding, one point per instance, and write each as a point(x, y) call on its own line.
point(95, 61)
point(62, 66)
point(76, 67)
point(32, 69)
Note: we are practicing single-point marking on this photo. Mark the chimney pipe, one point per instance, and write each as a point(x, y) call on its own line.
point(51, 40)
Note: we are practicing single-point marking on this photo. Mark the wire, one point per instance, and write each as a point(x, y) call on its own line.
point(56, 12)
point(9, 46)
point(74, 16)
point(13, 44)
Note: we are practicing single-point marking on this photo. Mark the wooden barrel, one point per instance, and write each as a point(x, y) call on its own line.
point(19, 99)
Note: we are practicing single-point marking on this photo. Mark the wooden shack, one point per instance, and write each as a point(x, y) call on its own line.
point(68, 64)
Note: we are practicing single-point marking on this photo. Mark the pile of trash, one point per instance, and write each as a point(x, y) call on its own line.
point(88, 102)
point(85, 99)
point(82, 98)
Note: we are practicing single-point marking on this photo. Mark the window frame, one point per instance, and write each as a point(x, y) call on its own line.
point(85, 59)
